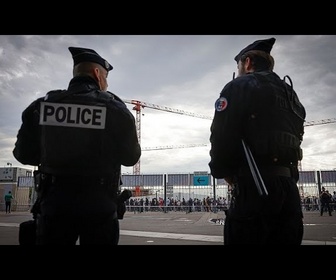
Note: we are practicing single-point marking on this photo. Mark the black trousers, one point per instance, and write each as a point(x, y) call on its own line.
point(71, 214)
point(273, 219)
point(325, 205)
point(8, 205)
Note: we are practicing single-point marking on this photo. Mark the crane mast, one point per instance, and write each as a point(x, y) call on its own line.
point(137, 109)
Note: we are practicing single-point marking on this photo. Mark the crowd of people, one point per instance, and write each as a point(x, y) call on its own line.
point(207, 204)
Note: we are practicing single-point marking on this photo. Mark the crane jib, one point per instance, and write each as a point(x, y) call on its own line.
point(140, 104)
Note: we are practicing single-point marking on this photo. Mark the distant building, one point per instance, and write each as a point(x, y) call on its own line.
point(20, 182)
point(12, 174)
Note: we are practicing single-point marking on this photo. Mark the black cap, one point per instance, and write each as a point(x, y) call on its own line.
point(259, 45)
point(84, 55)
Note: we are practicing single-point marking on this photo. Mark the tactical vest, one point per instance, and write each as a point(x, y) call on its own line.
point(275, 122)
point(76, 134)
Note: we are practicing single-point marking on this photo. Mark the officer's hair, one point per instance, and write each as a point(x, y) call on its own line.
point(260, 60)
point(85, 68)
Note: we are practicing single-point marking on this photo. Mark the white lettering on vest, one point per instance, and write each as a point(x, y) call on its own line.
point(72, 115)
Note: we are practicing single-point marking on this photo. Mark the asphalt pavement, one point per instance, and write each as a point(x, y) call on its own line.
point(179, 228)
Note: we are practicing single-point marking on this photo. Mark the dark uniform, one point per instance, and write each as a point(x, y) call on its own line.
point(265, 112)
point(78, 138)
point(325, 199)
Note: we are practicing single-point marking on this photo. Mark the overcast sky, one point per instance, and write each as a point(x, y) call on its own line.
point(181, 72)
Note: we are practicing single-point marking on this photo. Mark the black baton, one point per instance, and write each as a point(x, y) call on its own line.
point(258, 180)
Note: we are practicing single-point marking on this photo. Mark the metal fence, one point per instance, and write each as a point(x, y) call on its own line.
point(177, 187)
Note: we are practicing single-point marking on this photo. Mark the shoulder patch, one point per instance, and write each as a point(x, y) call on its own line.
point(221, 104)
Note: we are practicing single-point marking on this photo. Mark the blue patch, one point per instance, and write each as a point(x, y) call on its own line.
point(221, 104)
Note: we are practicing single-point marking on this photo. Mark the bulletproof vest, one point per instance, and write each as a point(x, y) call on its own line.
point(76, 136)
point(275, 122)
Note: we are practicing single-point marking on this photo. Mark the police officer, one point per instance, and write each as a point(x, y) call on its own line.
point(325, 199)
point(257, 130)
point(79, 138)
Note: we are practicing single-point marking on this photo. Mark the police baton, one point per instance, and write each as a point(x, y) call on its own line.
point(258, 180)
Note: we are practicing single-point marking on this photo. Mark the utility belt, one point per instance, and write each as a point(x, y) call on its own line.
point(43, 181)
point(112, 184)
point(268, 171)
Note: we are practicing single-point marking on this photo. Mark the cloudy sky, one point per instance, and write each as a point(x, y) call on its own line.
point(179, 72)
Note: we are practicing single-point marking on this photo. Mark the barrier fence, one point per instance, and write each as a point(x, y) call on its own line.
point(177, 189)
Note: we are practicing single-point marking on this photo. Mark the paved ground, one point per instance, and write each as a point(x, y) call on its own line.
point(179, 228)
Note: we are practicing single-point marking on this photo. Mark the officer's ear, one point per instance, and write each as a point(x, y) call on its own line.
point(100, 75)
point(96, 73)
point(248, 66)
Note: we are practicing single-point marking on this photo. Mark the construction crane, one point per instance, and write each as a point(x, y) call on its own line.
point(173, 147)
point(310, 123)
point(138, 105)
point(325, 121)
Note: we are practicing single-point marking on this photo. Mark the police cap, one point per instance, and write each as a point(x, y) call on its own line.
point(87, 55)
point(259, 45)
